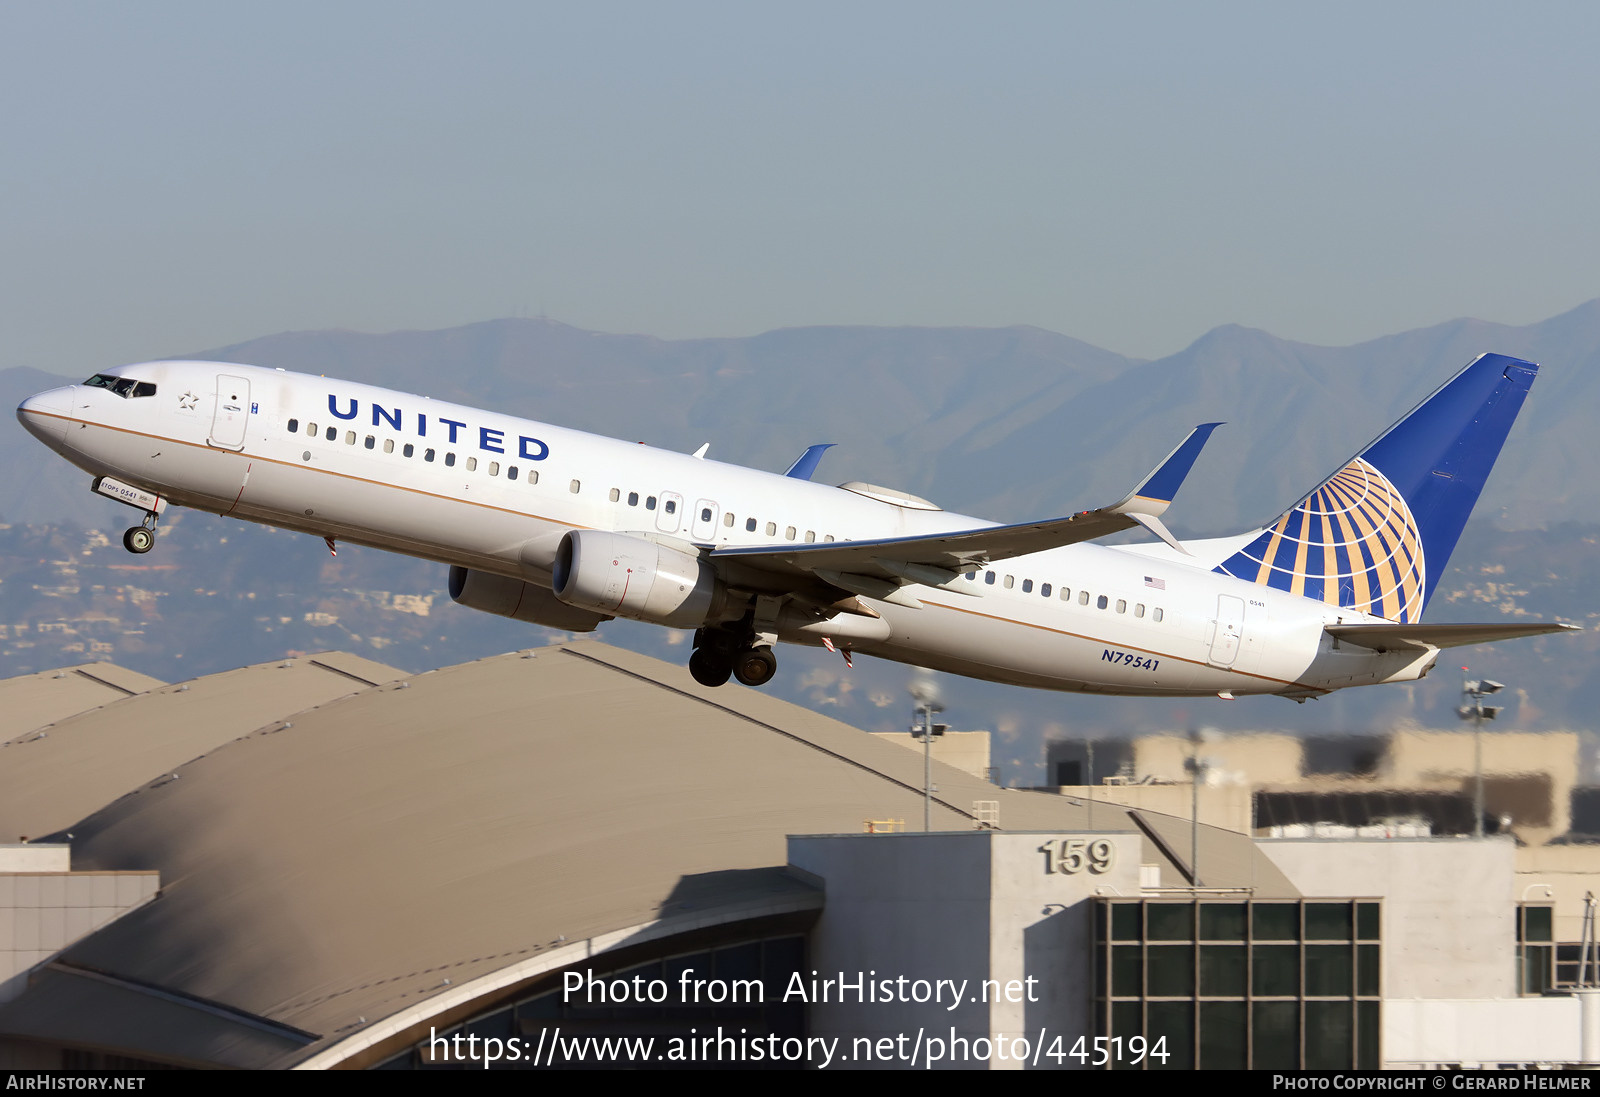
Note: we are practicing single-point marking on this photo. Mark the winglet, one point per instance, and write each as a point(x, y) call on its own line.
point(806, 463)
point(1155, 494)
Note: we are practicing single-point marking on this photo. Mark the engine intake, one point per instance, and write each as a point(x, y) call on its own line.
point(628, 576)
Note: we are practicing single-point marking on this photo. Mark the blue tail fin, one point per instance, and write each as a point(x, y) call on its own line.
point(1376, 535)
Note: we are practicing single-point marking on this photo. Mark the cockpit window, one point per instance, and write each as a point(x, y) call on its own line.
point(125, 387)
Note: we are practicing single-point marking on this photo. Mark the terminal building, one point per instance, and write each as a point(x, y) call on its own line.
point(575, 855)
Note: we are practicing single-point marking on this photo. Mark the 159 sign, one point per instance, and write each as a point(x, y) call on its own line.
point(1073, 855)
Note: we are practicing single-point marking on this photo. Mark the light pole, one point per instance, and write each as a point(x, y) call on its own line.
point(925, 694)
point(1476, 711)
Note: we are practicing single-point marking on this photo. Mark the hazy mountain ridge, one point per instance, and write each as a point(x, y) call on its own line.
point(1007, 423)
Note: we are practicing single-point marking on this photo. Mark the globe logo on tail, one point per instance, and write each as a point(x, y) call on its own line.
point(1352, 543)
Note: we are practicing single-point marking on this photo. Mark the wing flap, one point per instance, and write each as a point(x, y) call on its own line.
point(1387, 637)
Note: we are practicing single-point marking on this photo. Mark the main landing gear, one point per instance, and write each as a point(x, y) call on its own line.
point(720, 654)
point(141, 539)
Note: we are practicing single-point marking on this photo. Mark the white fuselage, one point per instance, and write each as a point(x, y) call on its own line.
point(494, 493)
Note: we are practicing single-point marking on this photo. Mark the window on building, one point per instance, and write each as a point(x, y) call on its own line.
point(1536, 950)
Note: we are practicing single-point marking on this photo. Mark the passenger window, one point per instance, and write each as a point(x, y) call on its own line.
point(671, 506)
point(1066, 594)
point(988, 577)
point(1083, 598)
point(705, 514)
point(616, 494)
point(311, 429)
point(1156, 616)
point(472, 464)
point(409, 450)
point(349, 437)
point(727, 520)
point(427, 455)
point(388, 445)
point(371, 441)
point(1027, 586)
point(828, 537)
point(574, 486)
point(1102, 602)
point(1138, 610)
point(494, 468)
point(1044, 590)
point(533, 476)
point(1122, 605)
point(810, 537)
point(450, 459)
point(332, 434)
point(789, 532)
point(749, 525)
point(294, 426)
point(633, 498)
point(1009, 581)
point(511, 472)
point(650, 502)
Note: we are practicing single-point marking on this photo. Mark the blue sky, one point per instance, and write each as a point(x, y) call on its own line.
point(179, 176)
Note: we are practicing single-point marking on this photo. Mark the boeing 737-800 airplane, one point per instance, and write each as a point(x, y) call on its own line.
point(567, 529)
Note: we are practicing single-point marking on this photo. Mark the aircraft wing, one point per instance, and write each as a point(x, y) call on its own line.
point(1387, 637)
point(876, 568)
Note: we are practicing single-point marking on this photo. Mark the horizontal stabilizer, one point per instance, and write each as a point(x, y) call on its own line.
point(1421, 637)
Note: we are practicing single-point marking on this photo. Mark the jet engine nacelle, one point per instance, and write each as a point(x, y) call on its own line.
point(503, 597)
point(631, 577)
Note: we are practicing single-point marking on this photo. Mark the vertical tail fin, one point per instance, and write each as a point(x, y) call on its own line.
point(1376, 535)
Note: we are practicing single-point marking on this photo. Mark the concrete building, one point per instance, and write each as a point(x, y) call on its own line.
point(543, 850)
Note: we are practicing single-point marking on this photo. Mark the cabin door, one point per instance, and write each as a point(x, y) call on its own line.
point(1229, 631)
point(232, 412)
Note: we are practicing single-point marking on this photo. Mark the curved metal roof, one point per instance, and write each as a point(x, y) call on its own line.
point(393, 845)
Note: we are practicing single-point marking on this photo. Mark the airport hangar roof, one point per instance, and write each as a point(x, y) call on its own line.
point(411, 854)
point(53, 774)
point(35, 700)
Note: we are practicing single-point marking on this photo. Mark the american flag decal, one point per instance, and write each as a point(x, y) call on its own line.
point(1151, 581)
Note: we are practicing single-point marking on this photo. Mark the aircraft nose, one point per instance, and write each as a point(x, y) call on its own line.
point(45, 415)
